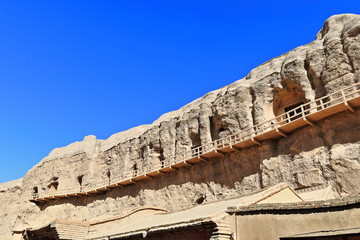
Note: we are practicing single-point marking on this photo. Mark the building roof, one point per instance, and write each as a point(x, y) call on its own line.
point(201, 214)
point(205, 215)
point(338, 202)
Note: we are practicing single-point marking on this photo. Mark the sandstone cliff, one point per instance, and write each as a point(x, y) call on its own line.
point(326, 154)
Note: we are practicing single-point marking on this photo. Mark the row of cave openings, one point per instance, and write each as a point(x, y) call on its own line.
point(284, 100)
point(52, 187)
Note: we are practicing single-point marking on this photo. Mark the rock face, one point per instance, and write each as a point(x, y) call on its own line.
point(326, 154)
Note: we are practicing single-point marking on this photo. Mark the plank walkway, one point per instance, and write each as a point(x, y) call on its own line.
point(306, 114)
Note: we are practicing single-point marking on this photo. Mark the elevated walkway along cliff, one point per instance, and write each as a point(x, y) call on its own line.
point(305, 114)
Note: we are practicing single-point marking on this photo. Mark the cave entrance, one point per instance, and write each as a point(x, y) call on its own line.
point(293, 111)
point(52, 188)
point(287, 103)
point(80, 181)
point(135, 170)
point(35, 192)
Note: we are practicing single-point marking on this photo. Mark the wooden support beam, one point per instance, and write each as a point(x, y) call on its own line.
point(173, 168)
point(220, 153)
point(148, 176)
point(83, 194)
point(308, 121)
point(161, 173)
point(95, 191)
point(282, 133)
point(203, 159)
point(188, 164)
point(350, 108)
point(103, 189)
point(90, 193)
point(255, 141)
point(133, 181)
point(235, 148)
point(37, 201)
point(48, 198)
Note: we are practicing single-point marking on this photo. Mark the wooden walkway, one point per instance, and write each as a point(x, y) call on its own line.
point(306, 114)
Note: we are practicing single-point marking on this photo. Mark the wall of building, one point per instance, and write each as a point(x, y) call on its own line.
point(272, 226)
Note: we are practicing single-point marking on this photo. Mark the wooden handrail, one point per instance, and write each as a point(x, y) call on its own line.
point(305, 110)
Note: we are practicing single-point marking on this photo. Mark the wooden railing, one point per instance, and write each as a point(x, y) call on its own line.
point(305, 111)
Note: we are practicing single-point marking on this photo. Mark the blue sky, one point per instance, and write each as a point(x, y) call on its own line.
point(74, 68)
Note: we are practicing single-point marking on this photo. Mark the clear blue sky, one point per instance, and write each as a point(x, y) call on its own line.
point(72, 68)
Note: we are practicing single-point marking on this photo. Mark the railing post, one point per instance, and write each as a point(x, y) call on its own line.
point(253, 132)
point(302, 111)
point(343, 96)
point(345, 101)
point(230, 141)
point(322, 103)
point(287, 119)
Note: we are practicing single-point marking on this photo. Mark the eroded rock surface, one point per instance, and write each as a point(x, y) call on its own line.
point(326, 154)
